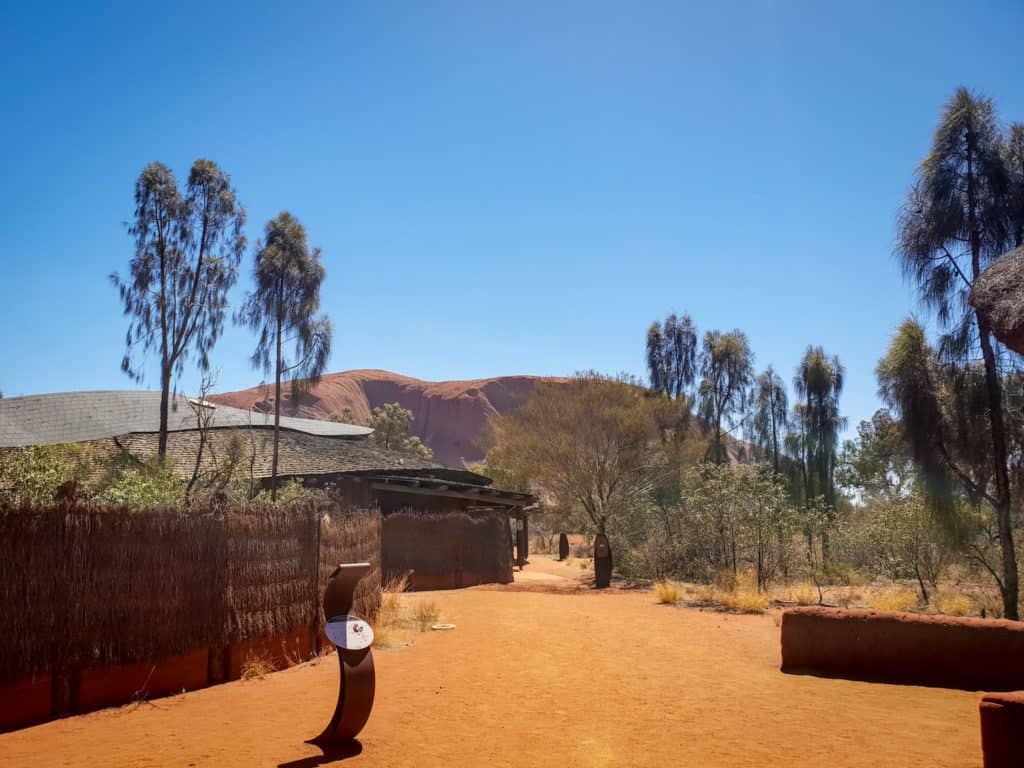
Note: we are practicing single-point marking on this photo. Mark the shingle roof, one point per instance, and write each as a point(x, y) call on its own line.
point(73, 417)
point(299, 455)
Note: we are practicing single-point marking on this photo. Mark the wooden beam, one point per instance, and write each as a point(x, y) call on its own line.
point(398, 488)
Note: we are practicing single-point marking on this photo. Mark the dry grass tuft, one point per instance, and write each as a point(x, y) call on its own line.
point(426, 614)
point(804, 594)
point(989, 604)
point(800, 593)
point(391, 598)
point(954, 604)
point(729, 592)
point(744, 600)
point(401, 615)
point(256, 666)
point(704, 593)
point(381, 636)
point(668, 592)
point(894, 598)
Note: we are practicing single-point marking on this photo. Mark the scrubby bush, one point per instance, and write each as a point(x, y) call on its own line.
point(147, 484)
point(727, 520)
point(35, 474)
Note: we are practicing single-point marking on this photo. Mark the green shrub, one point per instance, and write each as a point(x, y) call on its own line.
point(147, 484)
point(34, 474)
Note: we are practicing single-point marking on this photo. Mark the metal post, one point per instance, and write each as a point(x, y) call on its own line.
point(352, 636)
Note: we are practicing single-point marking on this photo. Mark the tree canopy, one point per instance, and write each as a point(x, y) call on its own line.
point(187, 250)
point(392, 429)
point(585, 443)
point(770, 421)
point(819, 383)
point(959, 216)
point(726, 368)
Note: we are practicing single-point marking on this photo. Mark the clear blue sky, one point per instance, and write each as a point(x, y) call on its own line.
point(497, 188)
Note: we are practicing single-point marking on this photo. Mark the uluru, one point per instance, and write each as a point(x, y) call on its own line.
point(450, 417)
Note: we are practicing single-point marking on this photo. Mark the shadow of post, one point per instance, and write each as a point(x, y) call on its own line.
point(331, 754)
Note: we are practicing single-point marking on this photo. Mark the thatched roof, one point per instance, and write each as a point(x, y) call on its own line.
point(998, 295)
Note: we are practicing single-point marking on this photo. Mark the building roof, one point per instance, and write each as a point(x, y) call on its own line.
point(998, 295)
point(299, 455)
point(485, 496)
point(74, 417)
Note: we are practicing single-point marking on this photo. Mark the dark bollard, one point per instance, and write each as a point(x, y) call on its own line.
point(602, 561)
point(352, 636)
point(520, 547)
point(563, 546)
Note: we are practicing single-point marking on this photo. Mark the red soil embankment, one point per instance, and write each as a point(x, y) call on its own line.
point(450, 417)
point(970, 654)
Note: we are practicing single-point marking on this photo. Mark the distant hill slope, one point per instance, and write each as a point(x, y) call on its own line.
point(449, 416)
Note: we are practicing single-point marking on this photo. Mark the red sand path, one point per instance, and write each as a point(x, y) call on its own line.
point(542, 679)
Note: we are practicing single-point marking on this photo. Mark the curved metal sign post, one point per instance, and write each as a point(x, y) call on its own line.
point(352, 636)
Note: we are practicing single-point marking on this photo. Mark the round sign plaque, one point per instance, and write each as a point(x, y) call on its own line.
point(349, 632)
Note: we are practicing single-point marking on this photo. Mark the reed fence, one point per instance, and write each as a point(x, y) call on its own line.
point(88, 586)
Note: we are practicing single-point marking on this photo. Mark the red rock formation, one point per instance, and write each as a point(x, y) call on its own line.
point(448, 416)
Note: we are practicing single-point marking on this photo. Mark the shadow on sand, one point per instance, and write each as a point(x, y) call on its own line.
point(330, 754)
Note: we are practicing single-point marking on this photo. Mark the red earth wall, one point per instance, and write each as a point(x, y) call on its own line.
point(942, 651)
point(1002, 729)
point(31, 701)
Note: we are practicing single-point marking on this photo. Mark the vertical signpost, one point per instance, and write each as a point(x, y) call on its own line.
point(352, 636)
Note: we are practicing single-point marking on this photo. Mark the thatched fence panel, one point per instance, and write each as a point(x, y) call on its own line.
point(271, 566)
point(96, 587)
point(84, 586)
point(352, 537)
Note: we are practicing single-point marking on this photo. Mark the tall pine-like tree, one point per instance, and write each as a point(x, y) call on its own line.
point(956, 220)
point(284, 309)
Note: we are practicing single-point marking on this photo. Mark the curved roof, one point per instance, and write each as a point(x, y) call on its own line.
point(74, 417)
point(300, 455)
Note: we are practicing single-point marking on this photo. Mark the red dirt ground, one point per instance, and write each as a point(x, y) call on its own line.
point(559, 677)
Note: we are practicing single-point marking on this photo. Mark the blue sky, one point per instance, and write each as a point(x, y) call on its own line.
point(498, 188)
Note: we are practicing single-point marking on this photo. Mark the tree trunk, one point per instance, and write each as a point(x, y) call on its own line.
point(999, 457)
point(775, 439)
point(165, 395)
point(920, 583)
point(993, 389)
point(277, 410)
